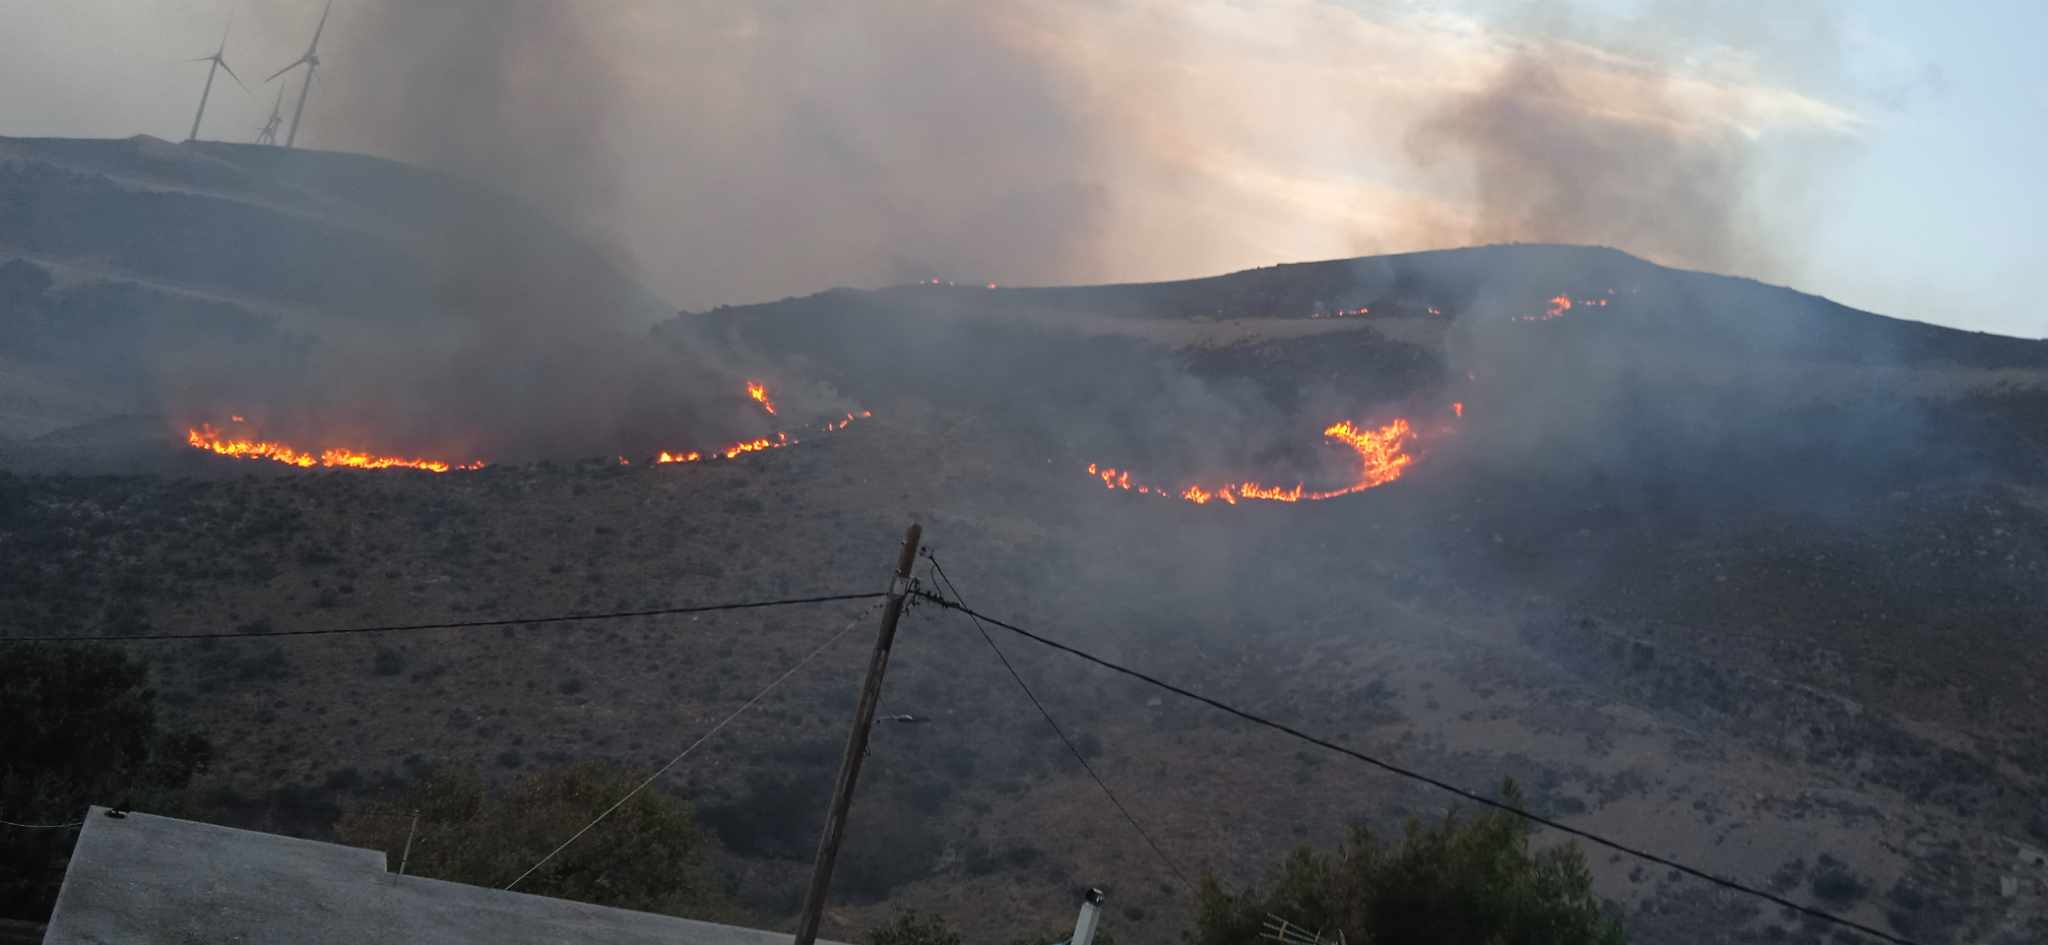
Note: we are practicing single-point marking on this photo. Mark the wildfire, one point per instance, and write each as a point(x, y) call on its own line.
point(1382, 456)
point(206, 437)
point(757, 444)
point(1560, 304)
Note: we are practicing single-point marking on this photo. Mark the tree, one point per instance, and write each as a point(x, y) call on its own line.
point(1462, 879)
point(80, 728)
point(648, 855)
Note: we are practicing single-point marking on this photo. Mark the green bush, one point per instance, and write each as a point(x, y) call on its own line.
point(1461, 879)
point(1834, 882)
point(81, 728)
point(648, 855)
point(912, 928)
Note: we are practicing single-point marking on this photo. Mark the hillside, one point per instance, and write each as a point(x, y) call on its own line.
point(136, 273)
point(1746, 577)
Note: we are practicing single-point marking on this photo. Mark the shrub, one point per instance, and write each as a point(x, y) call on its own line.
point(652, 857)
point(81, 728)
point(1460, 879)
point(912, 928)
point(1834, 882)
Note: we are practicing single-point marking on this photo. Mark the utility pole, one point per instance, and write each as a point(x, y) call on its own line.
point(857, 743)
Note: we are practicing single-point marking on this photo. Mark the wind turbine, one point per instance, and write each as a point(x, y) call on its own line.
point(219, 60)
point(269, 133)
point(311, 60)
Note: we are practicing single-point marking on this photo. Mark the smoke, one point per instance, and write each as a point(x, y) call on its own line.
point(722, 152)
point(1548, 164)
point(526, 334)
point(742, 152)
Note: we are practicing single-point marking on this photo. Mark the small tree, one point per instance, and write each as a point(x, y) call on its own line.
point(1459, 880)
point(78, 726)
point(912, 928)
point(648, 855)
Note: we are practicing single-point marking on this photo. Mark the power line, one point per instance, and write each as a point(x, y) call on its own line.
point(685, 753)
point(1438, 783)
point(453, 625)
point(940, 573)
point(9, 823)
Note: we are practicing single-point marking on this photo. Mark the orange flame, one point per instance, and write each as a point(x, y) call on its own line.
point(1382, 454)
point(758, 444)
point(1458, 408)
point(205, 437)
point(760, 395)
point(1560, 304)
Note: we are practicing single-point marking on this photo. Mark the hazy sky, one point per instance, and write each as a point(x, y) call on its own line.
point(1879, 153)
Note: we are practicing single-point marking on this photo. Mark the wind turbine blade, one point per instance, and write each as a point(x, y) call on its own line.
point(329, 8)
point(201, 59)
point(232, 75)
point(295, 64)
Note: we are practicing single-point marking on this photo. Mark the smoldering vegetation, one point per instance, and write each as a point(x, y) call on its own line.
point(339, 299)
point(494, 307)
point(1657, 374)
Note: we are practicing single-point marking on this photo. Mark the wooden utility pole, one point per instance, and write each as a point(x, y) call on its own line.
point(857, 744)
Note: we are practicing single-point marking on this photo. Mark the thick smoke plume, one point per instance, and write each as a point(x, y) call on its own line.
point(520, 341)
point(729, 153)
point(1550, 162)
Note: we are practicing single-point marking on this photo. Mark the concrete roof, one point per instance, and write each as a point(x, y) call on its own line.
point(143, 878)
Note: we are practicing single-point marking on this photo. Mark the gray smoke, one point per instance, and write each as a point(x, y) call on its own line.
point(1547, 166)
point(744, 152)
point(527, 335)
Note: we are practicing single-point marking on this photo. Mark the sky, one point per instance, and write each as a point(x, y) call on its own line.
point(1878, 153)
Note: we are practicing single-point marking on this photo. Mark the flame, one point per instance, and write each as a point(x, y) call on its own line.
point(1458, 408)
point(1560, 304)
point(757, 444)
point(206, 437)
point(1382, 454)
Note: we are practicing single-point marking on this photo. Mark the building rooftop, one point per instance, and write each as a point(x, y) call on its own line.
point(142, 878)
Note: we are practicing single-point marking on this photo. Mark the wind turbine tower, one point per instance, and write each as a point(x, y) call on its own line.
point(220, 62)
point(269, 133)
point(311, 60)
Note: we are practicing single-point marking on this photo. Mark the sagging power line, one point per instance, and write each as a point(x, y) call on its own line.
point(1432, 781)
point(685, 753)
point(939, 573)
point(454, 624)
